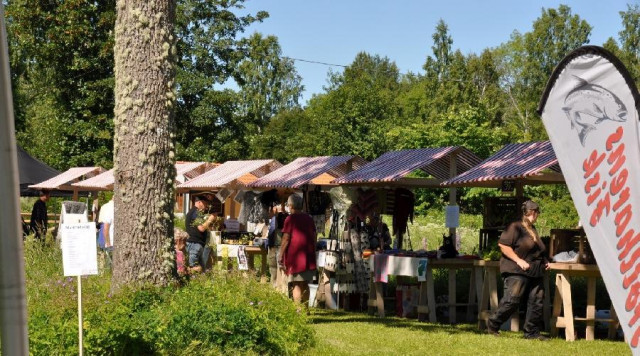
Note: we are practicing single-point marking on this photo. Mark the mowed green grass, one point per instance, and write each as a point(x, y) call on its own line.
point(340, 333)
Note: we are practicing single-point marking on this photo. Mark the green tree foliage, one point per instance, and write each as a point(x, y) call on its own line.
point(629, 52)
point(356, 111)
point(62, 67)
point(528, 61)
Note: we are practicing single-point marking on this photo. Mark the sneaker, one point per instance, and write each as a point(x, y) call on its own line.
point(490, 330)
point(539, 337)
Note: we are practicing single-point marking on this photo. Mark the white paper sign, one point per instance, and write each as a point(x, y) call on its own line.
point(79, 251)
point(452, 218)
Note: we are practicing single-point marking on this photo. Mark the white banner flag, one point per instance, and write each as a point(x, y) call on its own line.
point(589, 111)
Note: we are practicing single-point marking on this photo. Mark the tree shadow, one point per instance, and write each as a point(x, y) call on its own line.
point(324, 317)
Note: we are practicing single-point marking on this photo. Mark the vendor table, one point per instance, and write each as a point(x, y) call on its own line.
point(452, 265)
point(563, 301)
point(381, 266)
point(231, 251)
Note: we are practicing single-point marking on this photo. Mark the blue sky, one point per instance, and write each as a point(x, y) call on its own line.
point(334, 31)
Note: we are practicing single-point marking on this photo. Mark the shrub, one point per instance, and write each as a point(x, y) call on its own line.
point(213, 313)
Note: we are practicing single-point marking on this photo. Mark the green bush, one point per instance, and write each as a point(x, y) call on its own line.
point(213, 313)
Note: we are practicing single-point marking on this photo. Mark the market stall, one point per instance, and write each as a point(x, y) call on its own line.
point(510, 169)
point(228, 185)
point(312, 177)
point(384, 186)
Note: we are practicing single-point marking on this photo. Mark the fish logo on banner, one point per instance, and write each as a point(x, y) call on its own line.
point(598, 149)
point(587, 105)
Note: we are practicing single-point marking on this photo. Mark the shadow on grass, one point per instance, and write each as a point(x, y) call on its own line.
point(320, 316)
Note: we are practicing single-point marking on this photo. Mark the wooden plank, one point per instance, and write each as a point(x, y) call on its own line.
point(431, 298)
point(591, 308)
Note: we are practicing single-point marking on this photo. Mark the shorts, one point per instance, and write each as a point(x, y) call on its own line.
point(304, 276)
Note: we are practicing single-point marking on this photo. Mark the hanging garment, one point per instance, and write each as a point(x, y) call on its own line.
point(403, 210)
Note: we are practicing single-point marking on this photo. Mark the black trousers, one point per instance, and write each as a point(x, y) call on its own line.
point(517, 287)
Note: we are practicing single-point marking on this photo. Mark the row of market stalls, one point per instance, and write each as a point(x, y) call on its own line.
point(512, 167)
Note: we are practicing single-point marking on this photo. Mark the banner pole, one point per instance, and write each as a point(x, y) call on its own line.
point(80, 315)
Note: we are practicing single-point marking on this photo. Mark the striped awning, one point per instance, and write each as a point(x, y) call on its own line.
point(103, 181)
point(190, 170)
point(310, 170)
point(531, 163)
point(64, 180)
point(394, 166)
point(230, 173)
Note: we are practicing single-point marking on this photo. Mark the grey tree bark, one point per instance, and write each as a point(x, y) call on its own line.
point(143, 142)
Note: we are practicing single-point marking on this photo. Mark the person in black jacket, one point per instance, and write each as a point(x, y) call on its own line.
point(38, 223)
point(522, 266)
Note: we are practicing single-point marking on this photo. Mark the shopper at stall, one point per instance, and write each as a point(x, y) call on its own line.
point(197, 223)
point(298, 249)
point(522, 266)
point(38, 221)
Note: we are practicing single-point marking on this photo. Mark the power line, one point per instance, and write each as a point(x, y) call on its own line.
point(316, 62)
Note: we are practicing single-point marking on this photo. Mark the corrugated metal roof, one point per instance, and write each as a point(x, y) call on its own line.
point(304, 170)
point(103, 181)
point(191, 170)
point(395, 165)
point(229, 172)
point(67, 177)
point(513, 161)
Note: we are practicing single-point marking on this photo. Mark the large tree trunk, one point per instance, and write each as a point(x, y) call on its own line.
point(143, 142)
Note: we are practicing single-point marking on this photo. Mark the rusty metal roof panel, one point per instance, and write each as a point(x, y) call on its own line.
point(67, 177)
point(513, 161)
point(304, 169)
point(230, 171)
point(103, 181)
point(394, 165)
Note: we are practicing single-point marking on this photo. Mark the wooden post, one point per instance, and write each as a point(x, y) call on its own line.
point(13, 303)
point(453, 169)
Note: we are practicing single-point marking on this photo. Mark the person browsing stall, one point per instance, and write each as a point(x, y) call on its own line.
point(298, 249)
point(522, 265)
point(197, 224)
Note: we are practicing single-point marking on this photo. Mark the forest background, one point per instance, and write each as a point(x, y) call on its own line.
point(61, 56)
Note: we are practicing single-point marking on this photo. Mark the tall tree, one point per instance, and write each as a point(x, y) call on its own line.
point(358, 108)
point(268, 83)
point(61, 55)
point(531, 58)
point(630, 40)
point(145, 57)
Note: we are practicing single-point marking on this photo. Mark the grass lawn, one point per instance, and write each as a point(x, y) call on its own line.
point(340, 333)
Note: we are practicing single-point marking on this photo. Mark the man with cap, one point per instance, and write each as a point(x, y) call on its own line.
point(522, 266)
point(197, 228)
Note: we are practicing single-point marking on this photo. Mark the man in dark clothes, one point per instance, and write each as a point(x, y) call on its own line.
point(197, 228)
point(38, 222)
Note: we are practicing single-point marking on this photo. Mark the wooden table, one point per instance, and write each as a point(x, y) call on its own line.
point(398, 266)
point(452, 265)
point(250, 251)
point(563, 301)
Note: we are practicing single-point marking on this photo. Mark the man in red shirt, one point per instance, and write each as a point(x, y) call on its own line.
point(298, 249)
